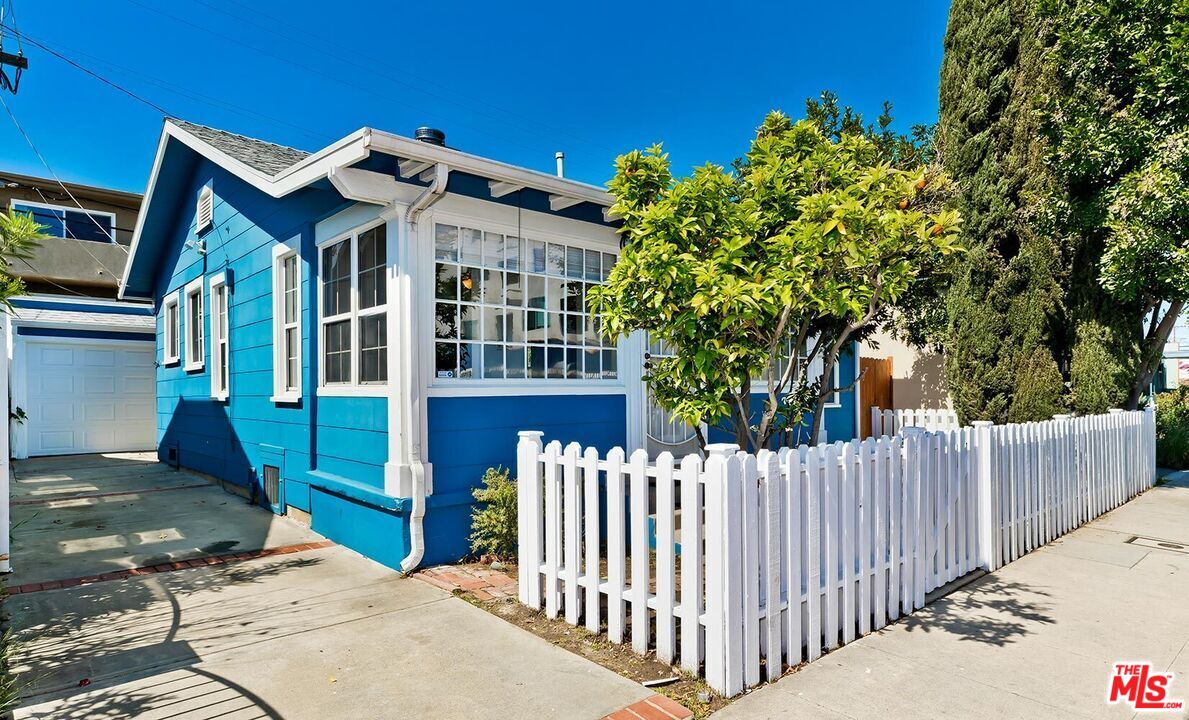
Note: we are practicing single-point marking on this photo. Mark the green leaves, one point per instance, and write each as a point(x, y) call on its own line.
point(730, 270)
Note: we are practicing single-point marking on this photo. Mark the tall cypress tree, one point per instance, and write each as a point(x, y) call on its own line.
point(1004, 337)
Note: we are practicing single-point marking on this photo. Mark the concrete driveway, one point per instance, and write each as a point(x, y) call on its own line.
point(1035, 639)
point(299, 629)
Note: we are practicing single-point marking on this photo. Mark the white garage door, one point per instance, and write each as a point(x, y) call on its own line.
point(92, 397)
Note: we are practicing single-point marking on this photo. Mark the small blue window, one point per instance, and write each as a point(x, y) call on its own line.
point(71, 224)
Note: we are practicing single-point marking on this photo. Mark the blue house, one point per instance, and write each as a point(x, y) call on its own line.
point(356, 334)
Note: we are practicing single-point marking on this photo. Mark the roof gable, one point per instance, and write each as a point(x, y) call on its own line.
point(260, 155)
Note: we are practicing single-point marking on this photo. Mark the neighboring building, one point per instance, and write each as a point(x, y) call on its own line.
point(1175, 369)
point(358, 333)
point(81, 361)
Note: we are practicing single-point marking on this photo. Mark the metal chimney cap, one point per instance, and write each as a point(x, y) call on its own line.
point(430, 135)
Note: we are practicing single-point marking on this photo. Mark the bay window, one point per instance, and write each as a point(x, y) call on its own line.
point(354, 301)
point(507, 307)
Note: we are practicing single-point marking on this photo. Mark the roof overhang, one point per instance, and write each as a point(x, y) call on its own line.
point(334, 162)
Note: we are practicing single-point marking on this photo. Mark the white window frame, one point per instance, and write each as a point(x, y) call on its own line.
point(219, 317)
point(560, 232)
point(281, 392)
point(354, 387)
point(192, 340)
point(170, 333)
point(205, 195)
point(12, 205)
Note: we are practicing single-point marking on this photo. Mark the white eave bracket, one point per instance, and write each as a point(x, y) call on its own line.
point(500, 188)
point(561, 202)
point(412, 168)
point(365, 186)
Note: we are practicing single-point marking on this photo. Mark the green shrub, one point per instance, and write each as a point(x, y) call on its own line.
point(494, 523)
point(1172, 429)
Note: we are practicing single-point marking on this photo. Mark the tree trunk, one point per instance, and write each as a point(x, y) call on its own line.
point(1152, 353)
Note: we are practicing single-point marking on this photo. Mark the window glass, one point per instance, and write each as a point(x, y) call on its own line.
point(355, 293)
point(336, 282)
point(70, 223)
point(373, 353)
point(372, 260)
point(338, 352)
point(512, 307)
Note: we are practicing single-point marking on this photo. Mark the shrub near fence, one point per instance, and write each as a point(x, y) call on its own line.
point(768, 560)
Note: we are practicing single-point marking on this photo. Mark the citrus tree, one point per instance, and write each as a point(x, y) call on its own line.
point(755, 278)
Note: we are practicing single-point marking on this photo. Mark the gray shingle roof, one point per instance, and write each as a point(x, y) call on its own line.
point(135, 323)
point(265, 157)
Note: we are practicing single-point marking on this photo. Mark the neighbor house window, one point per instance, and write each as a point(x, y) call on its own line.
point(204, 213)
point(511, 307)
point(220, 351)
point(172, 318)
point(286, 288)
point(354, 308)
point(195, 330)
point(70, 223)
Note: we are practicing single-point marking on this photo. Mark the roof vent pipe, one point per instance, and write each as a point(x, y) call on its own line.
point(433, 136)
point(561, 163)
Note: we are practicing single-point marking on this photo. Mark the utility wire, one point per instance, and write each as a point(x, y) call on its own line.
point(46, 163)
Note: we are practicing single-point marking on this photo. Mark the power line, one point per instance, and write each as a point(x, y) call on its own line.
point(93, 74)
point(58, 180)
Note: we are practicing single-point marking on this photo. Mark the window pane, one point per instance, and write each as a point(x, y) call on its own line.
point(609, 365)
point(534, 291)
point(493, 287)
point(535, 261)
point(514, 292)
point(493, 324)
point(446, 320)
point(557, 294)
point(556, 362)
point(573, 363)
point(511, 252)
point(514, 361)
point(556, 330)
point(373, 343)
point(514, 326)
point(608, 261)
point(446, 282)
point(372, 255)
point(471, 246)
point(53, 222)
point(592, 331)
point(469, 322)
point(85, 226)
point(446, 360)
point(574, 329)
point(493, 250)
point(336, 279)
point(468, 354)
point(574, 262)
point(556, 260)
point(592, 265)
point(536, 362)
point(292, 352)
point(535, 326)
point(470, 284)
point(289, 281)
point(493, 361)
point(446, 243)
point(591, 366)
point(338, 352)
point(575, 296)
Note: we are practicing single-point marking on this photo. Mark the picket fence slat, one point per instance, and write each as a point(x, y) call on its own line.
point(764, 561)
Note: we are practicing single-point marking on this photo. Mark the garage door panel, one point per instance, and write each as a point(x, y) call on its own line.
point(90, 397)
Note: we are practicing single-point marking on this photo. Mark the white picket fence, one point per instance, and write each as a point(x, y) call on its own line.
point(739, 565)
point(890, 422)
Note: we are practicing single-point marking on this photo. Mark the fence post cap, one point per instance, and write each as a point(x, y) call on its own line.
point(722, 449)
point(1115, 411)
point(1061, 416)
point(981, 423)
point(531, 434)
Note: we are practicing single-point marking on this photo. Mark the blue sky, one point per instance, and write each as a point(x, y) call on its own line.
point(511, 81)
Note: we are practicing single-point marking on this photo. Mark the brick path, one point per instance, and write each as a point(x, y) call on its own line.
point(657, 707)
point(478, 581)
point(167, 567)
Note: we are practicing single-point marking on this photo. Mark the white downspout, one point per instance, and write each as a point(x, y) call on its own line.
point(428, 197)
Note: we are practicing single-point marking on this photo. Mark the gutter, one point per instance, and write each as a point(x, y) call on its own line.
point(428, 197)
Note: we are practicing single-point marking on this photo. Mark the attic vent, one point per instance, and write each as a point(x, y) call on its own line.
point(205, 210)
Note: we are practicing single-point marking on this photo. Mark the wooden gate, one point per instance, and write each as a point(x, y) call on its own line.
point(875, 390)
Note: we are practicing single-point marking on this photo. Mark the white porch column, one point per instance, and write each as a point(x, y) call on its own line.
point(631, 374)
point(5, 516)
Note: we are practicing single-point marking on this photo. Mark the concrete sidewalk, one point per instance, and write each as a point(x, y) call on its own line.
point(1035, 639)
point(312, 634)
